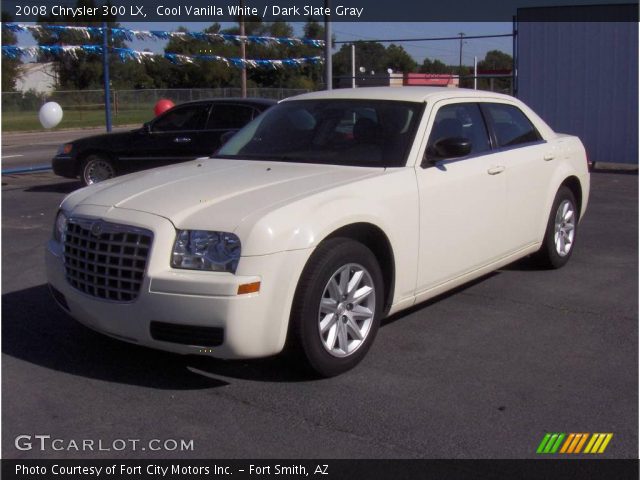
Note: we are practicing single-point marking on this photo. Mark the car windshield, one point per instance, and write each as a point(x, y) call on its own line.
point(372, 133)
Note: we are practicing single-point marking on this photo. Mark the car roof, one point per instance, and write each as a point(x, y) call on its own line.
point(406, 94)
point(235, 100)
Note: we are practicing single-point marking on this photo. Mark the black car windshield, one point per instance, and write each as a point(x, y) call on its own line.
point(372, 133)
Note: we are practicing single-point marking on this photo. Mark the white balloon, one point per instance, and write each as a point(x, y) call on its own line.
point(50, 114)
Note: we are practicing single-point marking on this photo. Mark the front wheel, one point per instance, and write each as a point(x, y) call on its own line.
point(96, 168)
point(562, 228)
point(337, 307)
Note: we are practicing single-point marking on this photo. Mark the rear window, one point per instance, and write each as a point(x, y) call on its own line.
point(229, 117)
point(511, 126)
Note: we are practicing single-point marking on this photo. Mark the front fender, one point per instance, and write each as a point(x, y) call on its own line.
point(389, 202)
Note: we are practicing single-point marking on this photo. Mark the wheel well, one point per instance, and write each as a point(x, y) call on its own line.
point(375, 240)
point(573, 184)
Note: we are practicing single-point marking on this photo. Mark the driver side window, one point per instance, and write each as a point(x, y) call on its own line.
point(458, 120)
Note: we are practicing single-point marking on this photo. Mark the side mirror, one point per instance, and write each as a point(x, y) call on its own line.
point(146, 127)
point(452, 147)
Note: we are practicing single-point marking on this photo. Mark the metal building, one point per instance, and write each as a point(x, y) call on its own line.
point(581, 75)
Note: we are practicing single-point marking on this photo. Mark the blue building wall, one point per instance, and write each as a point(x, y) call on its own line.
point(582, 79)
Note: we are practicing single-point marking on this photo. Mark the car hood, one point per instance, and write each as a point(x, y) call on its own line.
point(104, 138)
point(215, 193)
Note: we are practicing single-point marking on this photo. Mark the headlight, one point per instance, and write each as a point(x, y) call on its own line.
point(60, 227)
point(202, 250)
point(65, 148)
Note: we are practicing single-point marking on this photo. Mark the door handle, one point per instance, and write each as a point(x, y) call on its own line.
point(182, 140)
point(496, 170)
point(548, 157)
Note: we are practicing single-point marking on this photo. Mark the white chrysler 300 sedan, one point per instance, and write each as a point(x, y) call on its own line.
point(326, 213)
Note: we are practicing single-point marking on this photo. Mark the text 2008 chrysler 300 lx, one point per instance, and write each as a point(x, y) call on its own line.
point(320, 217)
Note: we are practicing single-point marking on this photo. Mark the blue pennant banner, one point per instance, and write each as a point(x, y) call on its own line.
point(129, 35)
point(125, 54)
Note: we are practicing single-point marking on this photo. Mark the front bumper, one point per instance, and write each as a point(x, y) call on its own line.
point(65, 166)
point(253, 325)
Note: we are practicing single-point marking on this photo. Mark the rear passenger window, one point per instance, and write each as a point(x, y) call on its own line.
point(459, 120)
point(229, 117)
point(511, 126)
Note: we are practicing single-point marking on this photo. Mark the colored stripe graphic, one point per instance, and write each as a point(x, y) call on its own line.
point(550, 443)
point(598, 442)
point(572, 443)
point(583, 439)
point(543, 443)
point(605, 443)
point(567, 442)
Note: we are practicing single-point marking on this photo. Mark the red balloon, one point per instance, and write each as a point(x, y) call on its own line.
point(162, 106)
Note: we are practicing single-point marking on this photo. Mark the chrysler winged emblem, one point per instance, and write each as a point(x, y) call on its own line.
point(96, 229)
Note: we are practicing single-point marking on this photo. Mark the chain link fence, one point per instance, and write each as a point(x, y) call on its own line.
point(82, 108)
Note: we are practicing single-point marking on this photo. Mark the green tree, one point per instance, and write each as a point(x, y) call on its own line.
point(85, 70)
point(10, 66)
point(495, 60)
point(201, 73)
point(399, 60)
point(372, 57)
point(434, 66)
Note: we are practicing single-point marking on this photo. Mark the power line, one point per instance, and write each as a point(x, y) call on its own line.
point(428, 39)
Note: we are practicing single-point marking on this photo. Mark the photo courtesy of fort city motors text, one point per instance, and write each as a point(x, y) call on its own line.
point(329, 239)
point(176, 470)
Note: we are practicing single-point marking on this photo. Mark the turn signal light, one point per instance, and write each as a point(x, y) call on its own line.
point(248, 288)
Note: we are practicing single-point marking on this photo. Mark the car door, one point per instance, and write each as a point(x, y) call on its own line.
point(462, 200)
point(529, 166)
point(172, 137)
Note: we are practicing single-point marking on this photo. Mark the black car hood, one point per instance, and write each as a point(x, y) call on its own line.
point(107, 139)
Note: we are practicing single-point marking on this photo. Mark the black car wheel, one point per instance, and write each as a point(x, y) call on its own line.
point(96, 168)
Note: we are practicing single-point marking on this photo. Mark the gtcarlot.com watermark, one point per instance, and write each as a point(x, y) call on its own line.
point(47, 443)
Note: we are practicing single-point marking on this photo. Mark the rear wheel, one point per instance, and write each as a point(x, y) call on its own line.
point(96, 168)
point(562, 228)
point(337, 307)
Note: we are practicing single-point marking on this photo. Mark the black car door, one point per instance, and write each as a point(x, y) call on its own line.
point(172, 137)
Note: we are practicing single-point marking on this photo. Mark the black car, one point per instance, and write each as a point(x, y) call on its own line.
point(184, 132)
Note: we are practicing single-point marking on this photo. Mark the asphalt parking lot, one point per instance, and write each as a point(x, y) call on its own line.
point(483, 372)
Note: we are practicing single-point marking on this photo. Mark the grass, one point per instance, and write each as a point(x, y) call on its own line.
point(24, 121)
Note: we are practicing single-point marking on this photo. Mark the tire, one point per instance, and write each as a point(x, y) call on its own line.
point(332, 327)
point(96, 168)
point(561, 233)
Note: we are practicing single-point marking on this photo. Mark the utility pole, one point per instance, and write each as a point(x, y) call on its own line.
point(243, 53)
point(105, 75)
point(328, 66)
point(460, 63)
point(475, 73)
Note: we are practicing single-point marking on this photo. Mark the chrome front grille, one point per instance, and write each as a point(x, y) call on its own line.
point(106, 260)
